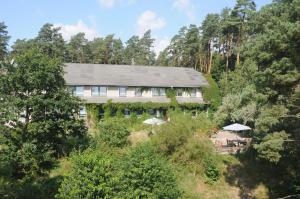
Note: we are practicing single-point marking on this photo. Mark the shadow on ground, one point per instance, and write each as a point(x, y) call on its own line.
point(254, 179)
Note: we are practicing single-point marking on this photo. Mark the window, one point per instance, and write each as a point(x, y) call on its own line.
point(138, 92)
point(162, 92)
point(127, 112)
point(179, 92)
point(193, 92)
point(95, 91)
point(99, 91)
point(158, 92)
point(122, 91)
point(103, 91)
point(77, 90)
point(82, 112)
point(155, 92)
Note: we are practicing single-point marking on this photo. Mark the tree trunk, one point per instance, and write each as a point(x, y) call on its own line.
point(210, 58)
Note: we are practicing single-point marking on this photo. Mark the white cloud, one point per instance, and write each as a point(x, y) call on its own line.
point(68, 30)
point(186, 6)
point(112, 3)
point(149, 20)
point(107, 3)
point(160, 44)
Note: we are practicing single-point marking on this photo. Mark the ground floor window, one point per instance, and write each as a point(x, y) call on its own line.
point(82, 112)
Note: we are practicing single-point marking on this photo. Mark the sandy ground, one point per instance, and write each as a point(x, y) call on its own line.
point(138, 137)
point(221, 137)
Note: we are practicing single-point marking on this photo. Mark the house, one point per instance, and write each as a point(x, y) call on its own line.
point(99, 83)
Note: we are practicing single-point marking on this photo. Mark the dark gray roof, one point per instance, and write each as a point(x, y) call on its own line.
point(127, 75)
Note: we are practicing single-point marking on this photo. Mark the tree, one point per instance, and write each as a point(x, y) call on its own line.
point(38, 116)
point(78, 50)
point(241, 14)
point(131, 50)
point(139, 51)
point(3, 40)
point(22, 45)
point(210, 31)
point(146, 55)
point(163, 58)
point(50, 41)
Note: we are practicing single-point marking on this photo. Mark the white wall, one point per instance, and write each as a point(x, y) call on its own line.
point(113, 91)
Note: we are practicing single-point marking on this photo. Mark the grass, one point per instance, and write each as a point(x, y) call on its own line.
point(237, 178)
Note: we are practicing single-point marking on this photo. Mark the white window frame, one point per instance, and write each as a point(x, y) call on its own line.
point(103, 94)
point(79, 93)
point(97, 93)
point(123, 95)
point(156, 92)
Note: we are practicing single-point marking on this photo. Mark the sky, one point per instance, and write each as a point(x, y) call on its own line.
point(98, 18)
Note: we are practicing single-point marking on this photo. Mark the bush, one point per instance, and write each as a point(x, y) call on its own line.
point(113, 132)
point(147, 175)
point(92, 176)
point(176, 133)
point(201, 155)
point(141, 173)
point(212, 93)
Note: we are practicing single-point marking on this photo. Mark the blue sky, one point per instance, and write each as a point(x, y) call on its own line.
point(123, 18)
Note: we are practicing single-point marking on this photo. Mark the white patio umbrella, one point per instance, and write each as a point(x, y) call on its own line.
point(236, 127)
point(154, 121)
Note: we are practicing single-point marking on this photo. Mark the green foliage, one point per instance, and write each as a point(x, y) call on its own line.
point(200, 157)
point(241, 107)
point(41, 113)
point(177, 132)
point(93, 175)
point(77, 50)
point(271, 146)
point(139, 51)
point(269, 118)
point(184, 140)
point(92, 115)
point(211, 93)
point(50, 41)
point(141, 173)
point(147, 175)
point(113, 133)
point(3, 40)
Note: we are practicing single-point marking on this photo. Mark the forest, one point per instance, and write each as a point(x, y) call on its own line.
point(251, 59)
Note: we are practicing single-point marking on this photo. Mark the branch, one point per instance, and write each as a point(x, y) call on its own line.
point(289, 196)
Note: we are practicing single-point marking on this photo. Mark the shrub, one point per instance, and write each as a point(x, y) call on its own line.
point(141, 173)
point(175, 134)
point(113, 132)
point(212, 93)
point(92, 176)
point(202, 156)
point(147, 175)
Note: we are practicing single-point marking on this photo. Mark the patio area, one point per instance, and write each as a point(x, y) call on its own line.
point(228, 142)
